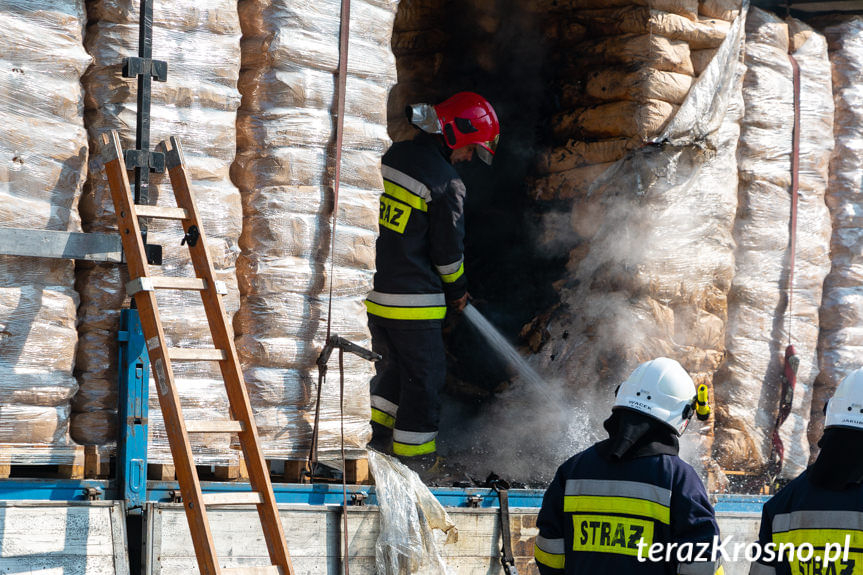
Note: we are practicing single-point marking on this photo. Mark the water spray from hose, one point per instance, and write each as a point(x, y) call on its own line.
point(510, 356)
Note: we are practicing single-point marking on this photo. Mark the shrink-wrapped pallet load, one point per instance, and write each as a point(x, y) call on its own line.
point(623, 78)
point(653, 278)
point(43, 159)
point(197, 104)
point(284, 171)
point(841, 338)
point(760, 323)
point(420, 37)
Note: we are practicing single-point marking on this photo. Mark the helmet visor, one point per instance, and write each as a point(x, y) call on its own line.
point(486, 150)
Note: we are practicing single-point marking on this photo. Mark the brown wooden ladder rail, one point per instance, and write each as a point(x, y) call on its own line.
point(142, 287)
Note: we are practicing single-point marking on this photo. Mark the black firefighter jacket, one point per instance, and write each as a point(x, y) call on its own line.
point(420, 249)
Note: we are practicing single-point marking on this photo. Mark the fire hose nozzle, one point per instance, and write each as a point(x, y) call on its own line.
point(702, 406)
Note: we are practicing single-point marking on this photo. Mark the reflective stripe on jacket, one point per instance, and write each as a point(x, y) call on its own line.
point(802, 512)
point(596, 512)
point(420, 249)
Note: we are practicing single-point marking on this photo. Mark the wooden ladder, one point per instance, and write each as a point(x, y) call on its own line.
point(242, 422)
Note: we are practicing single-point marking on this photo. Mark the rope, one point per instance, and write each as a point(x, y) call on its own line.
point(789, 374)
point(341, 88)
point(795, 183)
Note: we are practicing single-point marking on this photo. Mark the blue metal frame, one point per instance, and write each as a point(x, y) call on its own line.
point(327, 494)
point(728, 503)
point(55, 489)
point(134, 394)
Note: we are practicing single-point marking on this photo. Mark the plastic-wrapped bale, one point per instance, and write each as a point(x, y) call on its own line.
point(43, 159)
point(198, 105)
point(283, 169)
point(760, 324)
point(419, 40)
point(718, 10)
point(841, 338)
point(623, 79)
point(653, 278)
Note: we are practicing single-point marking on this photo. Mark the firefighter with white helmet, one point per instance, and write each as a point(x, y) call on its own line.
point(608, 504)
point(823, 505)
point(420, 268)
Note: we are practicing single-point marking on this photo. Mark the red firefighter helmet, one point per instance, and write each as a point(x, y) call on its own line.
point(467, 118)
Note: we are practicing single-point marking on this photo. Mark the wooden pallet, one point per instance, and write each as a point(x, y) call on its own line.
point(97, 462)
point(356, 471)
point(41, 461)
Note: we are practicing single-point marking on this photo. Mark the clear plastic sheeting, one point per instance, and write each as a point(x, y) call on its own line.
point(653, 277)
point(198, 105)
point(627, 67)
point(284, 169)
point(760, 324)
point(841, 337)
point(43, 159)
point(414, 526)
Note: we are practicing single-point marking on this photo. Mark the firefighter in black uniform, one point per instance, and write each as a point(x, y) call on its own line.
point(420, 268)
point(824, 504)
point(609, 504)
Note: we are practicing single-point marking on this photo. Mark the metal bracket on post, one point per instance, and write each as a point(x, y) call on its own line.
point(141, 159)
point(134, 394)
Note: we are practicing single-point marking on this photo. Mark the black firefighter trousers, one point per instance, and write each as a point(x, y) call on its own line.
point(406, 388)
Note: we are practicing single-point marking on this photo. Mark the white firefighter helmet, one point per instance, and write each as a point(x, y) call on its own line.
point(662, 389)
point(845, 408)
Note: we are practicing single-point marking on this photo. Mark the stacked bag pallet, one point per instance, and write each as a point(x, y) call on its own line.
point(43, 161)
point(627, 71)
point(841, 339)
point(760, 323)
point(290, 51)
point(197, 104)
point(652, 278)
point(419, 40)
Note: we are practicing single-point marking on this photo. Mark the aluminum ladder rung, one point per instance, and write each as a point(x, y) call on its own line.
point(217, 426)
point(239, 498)
point(161, 212)
point(195, 354)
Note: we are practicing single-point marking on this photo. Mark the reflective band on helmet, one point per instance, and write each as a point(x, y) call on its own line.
point(382, 418)
point(450, 278)
point(627, 505)
point(553, 560)
point(409, 313)
point(407, 450)
point(404, 195)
